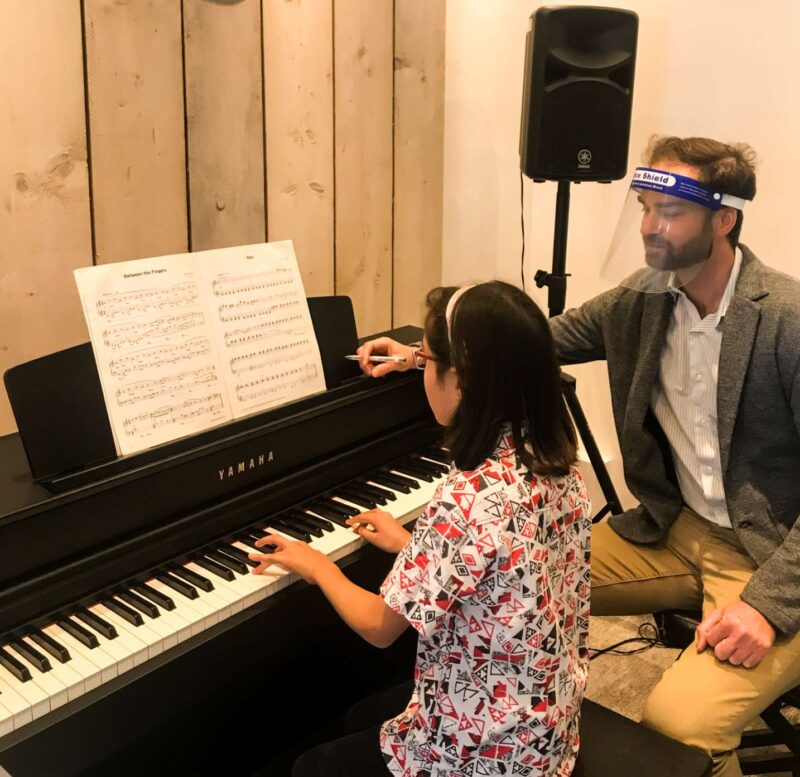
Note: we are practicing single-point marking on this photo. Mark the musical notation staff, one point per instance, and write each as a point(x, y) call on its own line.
point(259, 360)
point(254, 308)
point(145, 390)
point(253, 282)
point(150, 358)
point(277, 383)
point(139, 332)
point(180, 412)
point(110, 305)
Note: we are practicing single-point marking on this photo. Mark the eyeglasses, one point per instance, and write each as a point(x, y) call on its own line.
point(421, 358)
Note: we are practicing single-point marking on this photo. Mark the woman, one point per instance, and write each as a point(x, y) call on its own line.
point(494, 576)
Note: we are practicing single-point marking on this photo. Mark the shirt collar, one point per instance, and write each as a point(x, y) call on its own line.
point(727, 295)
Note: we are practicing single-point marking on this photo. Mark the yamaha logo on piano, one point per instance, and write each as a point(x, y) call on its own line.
point(245, 466)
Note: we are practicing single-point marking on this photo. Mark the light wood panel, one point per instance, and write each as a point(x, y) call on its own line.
point(298, 75)
point(137, 141)
point(222, 44)
point(44, 190)
point(418, 154)
point(363, 51)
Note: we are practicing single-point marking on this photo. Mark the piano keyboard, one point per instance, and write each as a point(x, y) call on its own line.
point(43, 668)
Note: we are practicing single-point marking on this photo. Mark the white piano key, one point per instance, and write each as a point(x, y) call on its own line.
point(96, 656)
point(89, 671)
point(15, 703)
point(198, 615)
point(181, 624)
point(116, 651)
point(36, 698)
point(235, 592)
point(6, 719)
point(134, 644)
point(52, 686)
point(221, 587)
point(166, 627)
point(72, 681)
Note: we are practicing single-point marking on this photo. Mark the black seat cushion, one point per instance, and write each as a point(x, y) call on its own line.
point(614, 746)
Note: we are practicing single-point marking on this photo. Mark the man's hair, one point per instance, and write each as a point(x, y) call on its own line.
point(729, 167)
point(505, 360)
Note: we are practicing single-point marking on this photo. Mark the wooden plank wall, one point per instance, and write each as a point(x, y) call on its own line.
point(135, 128)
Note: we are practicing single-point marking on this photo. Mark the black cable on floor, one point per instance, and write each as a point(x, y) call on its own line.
point(648, 634)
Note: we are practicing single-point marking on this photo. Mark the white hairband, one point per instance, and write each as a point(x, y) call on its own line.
point(451, 305)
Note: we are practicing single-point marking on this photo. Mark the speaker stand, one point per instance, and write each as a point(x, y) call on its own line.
point(556, 282)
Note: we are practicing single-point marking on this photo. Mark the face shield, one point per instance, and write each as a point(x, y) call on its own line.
point(664, 235)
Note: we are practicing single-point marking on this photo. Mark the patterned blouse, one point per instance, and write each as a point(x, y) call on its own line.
point(495, 579)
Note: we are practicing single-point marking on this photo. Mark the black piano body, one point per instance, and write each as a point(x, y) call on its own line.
point(254, 688)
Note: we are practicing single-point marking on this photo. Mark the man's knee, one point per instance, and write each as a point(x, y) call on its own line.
point(694, 718)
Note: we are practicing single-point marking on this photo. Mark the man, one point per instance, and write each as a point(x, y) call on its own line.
point(702, 343)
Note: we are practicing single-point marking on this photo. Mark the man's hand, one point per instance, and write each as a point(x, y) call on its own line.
point(739, 634)
point(379, 528)
point(292, 556)
point(384, 346)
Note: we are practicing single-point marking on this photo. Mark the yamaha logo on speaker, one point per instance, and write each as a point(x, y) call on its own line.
point(584, 158)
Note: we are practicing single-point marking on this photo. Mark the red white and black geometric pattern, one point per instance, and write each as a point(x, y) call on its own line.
point(496, 581)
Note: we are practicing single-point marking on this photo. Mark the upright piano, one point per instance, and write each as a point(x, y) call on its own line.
point(133, 638)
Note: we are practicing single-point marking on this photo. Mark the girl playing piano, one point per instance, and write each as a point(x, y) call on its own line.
point(494, 576)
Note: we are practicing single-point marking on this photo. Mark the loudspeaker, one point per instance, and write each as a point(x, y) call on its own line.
point(577, 93)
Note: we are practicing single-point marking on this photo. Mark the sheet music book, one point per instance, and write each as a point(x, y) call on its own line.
point(189, 341)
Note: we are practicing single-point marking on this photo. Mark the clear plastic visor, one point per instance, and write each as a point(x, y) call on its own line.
point(661, 242)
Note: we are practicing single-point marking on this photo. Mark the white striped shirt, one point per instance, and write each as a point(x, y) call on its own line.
point(684, 401)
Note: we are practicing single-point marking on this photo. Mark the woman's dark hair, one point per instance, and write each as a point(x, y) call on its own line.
point(502, 350)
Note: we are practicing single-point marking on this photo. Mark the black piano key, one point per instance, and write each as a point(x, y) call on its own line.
point(124, 612)
point(17, 668)
point(427, 466)
point(97, 623)
point(438, 454)
point(54, 648)
point(377, 491)
point(314, 520)
point(356, 497)
point(366, 492)
point(326, 512)
point(31, 655)
point(239, 555)
point(299, 522)
point(249, 539)
point(406, 468)
point(193, 578)
point(218, 555)
point(332, 504)
point(385, 480)
point(400, 479)
point(284, 528)
point(136, 602)
point(148, 592)
point(84, 636)
point(220, 570)
point(176, 584)
point(256, 534)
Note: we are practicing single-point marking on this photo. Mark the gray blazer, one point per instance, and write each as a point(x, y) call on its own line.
point(758, 412)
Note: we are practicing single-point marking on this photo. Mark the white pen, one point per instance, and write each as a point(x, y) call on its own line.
point(376, 359)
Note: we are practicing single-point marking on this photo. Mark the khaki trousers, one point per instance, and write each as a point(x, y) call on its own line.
point(699, 700)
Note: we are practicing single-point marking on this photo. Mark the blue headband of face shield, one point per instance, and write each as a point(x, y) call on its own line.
point(649, 179)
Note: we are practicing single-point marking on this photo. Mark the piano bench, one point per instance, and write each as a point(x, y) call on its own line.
point(676, 628)
point(613, 745)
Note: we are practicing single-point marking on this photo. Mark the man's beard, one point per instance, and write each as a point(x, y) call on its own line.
point(660, 254)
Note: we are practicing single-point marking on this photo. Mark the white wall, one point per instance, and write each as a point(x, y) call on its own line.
point(726, 69)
